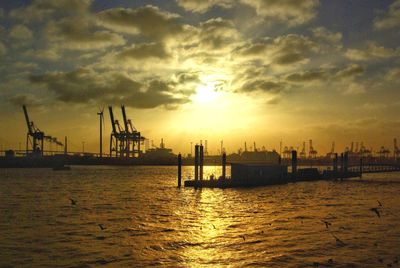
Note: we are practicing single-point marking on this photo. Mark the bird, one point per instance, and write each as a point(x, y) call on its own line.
point(73, 202)
point(376, 211)
point(327, 223)
point(213, 226)
point(380, 204)
point(338, 241)
point(102, 227)
point(242, 236)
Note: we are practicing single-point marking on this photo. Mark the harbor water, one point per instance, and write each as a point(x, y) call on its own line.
point(137, 217)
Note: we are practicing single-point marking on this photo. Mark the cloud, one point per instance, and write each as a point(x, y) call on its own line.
point(292, 12)
point(283, 50)
point(85, 85)
point(217, 34)
point(3, 49)
point(372, 51)
point(354, 89)
point(324, 36)
point(148, 21)
point(307, 76)
point(81, 33)
point(144, 51)
point(21, 32)
point(264, 85)
point(393, 75)
point(1, 13)
point(43, 54)
point(390, 19)
point(41, 9)
point(350, 71)
point(202, 6)
point(23, 99)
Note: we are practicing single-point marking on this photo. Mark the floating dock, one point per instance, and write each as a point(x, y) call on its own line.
point(264, 173)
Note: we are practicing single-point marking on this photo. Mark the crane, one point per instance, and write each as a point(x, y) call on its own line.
point(35, 137)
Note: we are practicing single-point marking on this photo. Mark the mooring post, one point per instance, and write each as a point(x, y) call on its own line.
point(361, 167)
point(224, 166)
point(196, 162)
point(201, 162)
point(346, 161)
point(335, 163)
point(179, 170)
point(294, 164)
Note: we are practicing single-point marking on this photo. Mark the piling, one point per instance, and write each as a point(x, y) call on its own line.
point(201, 162)
point(335, 163)
point(196, 162)
point(341, 162)
point(361, 167)
point(294, 163)
point(346, 161)
point(224, 166)
point(179, 170)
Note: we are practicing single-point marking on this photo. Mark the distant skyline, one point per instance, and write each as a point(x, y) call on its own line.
point(190, 70)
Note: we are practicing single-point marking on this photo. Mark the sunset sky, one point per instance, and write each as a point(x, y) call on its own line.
point(190, 70)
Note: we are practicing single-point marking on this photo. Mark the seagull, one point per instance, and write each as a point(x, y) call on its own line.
point(338, 241)
point(380, 204)
point(327, 223)
point(376, 211)
point(73, 202)
point(102, 227)
point(242, 236)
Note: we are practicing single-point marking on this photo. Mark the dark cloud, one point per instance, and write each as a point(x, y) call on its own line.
point(307, 76)
point(148, 21)
point(264, 85)
point(390, 19)
point(85, 85)
point(145, 51)
point(40, 9)
point(283, 50)
point(21, 99)
point(188, 77)
point(217, 34)
point(292, 12)
point(81, 33)
point(350, 71)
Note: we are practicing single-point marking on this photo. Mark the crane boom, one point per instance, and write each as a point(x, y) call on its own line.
point(125, 120)
point(27, 120)
point(112, 119)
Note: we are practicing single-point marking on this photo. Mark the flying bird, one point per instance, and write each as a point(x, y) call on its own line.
point(338, 241)
point(213, 226)
point(380, 204)
point(376, 211)
point(102, 227)
point(327, 223)
point(73, 202)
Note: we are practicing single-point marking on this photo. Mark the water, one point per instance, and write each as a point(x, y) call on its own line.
point(149, 222)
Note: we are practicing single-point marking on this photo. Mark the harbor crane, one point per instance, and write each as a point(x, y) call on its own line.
point(313, 152)
point(35, 137)
point(303, 151)
point(124, 141)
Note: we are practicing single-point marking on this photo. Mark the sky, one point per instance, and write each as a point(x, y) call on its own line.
point(261, 71)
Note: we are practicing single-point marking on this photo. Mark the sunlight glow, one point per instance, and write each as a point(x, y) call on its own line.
point(206, 93)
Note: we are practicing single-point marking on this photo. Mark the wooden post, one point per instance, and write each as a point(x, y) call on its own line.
point(335, 163)
point(224, 166)
point(196, 162)
point(294, 164)
point(201, 162)
point(179, 170)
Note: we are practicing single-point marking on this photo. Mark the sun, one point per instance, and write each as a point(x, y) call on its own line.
point(207, 90)
point(205, 93)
